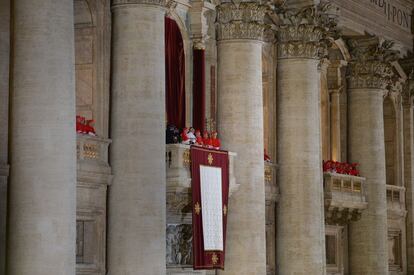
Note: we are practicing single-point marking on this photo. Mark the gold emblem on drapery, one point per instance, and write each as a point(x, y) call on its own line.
point(197, 208)
point(214, 259)
point(210, 159)
point(224, 210)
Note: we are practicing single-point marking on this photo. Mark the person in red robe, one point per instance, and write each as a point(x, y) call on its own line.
point(215, 141)
point(206, 139)
point(266, 156)
point(199, 139)
point(89, 129)
point(184, 137)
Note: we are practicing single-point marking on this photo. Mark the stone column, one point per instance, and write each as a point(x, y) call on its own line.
point(4, 122)
point(300, 215)
point(367, 78)
point(240, 125)
point(42, 190)
point(137, 203)
point(408, 133)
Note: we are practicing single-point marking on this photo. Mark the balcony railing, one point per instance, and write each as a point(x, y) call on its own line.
point(396, 200)
point(92, 148)
point(344, 197)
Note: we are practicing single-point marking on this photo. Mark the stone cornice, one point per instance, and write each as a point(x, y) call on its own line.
point(116, 3)
point(305, 33)
point(370, 65)
point(243, 20)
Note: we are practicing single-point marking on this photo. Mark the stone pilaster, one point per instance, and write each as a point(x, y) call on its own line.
point(42, 190)
point(336, 86)
point(4, 123)
point(240, 106)
point(369, 74)
point(300, 216)
point(137, 203)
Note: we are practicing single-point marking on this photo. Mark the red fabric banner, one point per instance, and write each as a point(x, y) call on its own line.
point(211, 158)
point(199, 87)
point(174, 74)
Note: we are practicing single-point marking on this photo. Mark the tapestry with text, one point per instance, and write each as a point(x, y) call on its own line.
point(210, 188)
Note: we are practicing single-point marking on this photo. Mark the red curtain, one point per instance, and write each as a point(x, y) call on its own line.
point(174, 74)
point(201, 156)
point(199, 108)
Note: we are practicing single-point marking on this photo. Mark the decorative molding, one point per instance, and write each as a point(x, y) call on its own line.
point(370, 65)
point(171, 6)
point(116, 3)
point(199, 44)
point(306, 32)
point(179, 250)
point(243, 20)
point(408, 91)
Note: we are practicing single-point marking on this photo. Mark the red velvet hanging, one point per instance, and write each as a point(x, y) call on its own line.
point(174, 74)
point(199, 108)
point(205, 259)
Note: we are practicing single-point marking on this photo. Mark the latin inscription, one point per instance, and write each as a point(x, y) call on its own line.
point(394, 13)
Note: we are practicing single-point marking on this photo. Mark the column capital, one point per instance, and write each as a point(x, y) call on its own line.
point(408, 91)
point(116, 3)
point(243, 20)
point(305, 33)
point(370, 65)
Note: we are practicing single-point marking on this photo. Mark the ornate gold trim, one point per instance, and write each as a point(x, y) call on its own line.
point(214, 258)
point(197, 208)
point(210, 159)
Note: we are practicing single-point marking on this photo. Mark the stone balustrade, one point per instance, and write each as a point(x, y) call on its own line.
point(396, 200)
point(344, 198)
point(93, 178)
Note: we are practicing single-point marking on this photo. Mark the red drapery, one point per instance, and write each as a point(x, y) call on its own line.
point(215, 158)
point(174, 74)
point(199, 108)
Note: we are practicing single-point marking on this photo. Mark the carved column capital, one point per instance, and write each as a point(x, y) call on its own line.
point(240, 21)
point(116, 3)
point(370, 65)
point(304, 33)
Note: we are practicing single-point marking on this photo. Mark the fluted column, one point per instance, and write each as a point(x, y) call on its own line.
point(240, 126)
point(4, 123)
point(137, 204)
point(42, 190)
point(300, 216)
point(368, 75)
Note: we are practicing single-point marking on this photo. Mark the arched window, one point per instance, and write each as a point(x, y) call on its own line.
point(174, 74)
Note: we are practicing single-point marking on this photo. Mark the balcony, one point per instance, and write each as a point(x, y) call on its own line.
point(178, 164)
point(179, 210)
point(396, 201)
point(93, 178)
point(344, 197)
